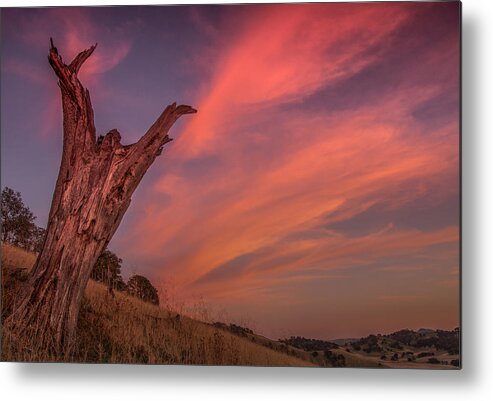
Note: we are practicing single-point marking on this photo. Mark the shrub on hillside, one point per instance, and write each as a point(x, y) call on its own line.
point(18, 226)
point(107, 270)
point(308, 344)
point(141, 287)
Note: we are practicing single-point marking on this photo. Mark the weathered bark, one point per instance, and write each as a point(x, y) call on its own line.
point(94, 187)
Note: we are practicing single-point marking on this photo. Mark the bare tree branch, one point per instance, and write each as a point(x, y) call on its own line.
point(78, 116)
point(81, 58)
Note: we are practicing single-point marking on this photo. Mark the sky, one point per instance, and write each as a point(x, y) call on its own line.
point(316, 191)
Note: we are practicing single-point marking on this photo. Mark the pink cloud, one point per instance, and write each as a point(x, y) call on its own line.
point(285, 54)
point(72, 30)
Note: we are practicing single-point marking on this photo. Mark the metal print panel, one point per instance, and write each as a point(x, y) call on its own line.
point(264, 184)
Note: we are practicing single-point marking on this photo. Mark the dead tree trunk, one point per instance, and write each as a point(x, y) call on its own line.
point(93, 191)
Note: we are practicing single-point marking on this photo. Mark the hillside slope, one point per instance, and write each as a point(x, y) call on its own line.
point(122, 329)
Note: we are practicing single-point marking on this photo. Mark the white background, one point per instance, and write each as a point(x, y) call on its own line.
point(94, 382)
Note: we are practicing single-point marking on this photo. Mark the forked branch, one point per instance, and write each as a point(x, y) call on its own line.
point(78, 117)
point(157, 135)
point(81, 58)
point(67, 74)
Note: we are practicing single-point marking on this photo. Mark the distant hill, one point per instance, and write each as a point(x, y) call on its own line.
point(309, 344)
point(425, 348)
point(409, 348)
point(441, 340)
point(343, 341)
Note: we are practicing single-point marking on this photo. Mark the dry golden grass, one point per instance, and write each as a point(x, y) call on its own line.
point(15, 264)
point(14, 257)
point(123, 329)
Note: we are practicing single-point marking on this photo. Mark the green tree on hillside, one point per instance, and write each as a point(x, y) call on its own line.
point(37, 239)
point(18, 226)
point(141, 287)
point(107, 270)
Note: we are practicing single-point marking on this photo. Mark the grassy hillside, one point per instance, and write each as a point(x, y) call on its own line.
point(122, 329)
point(13, 257)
